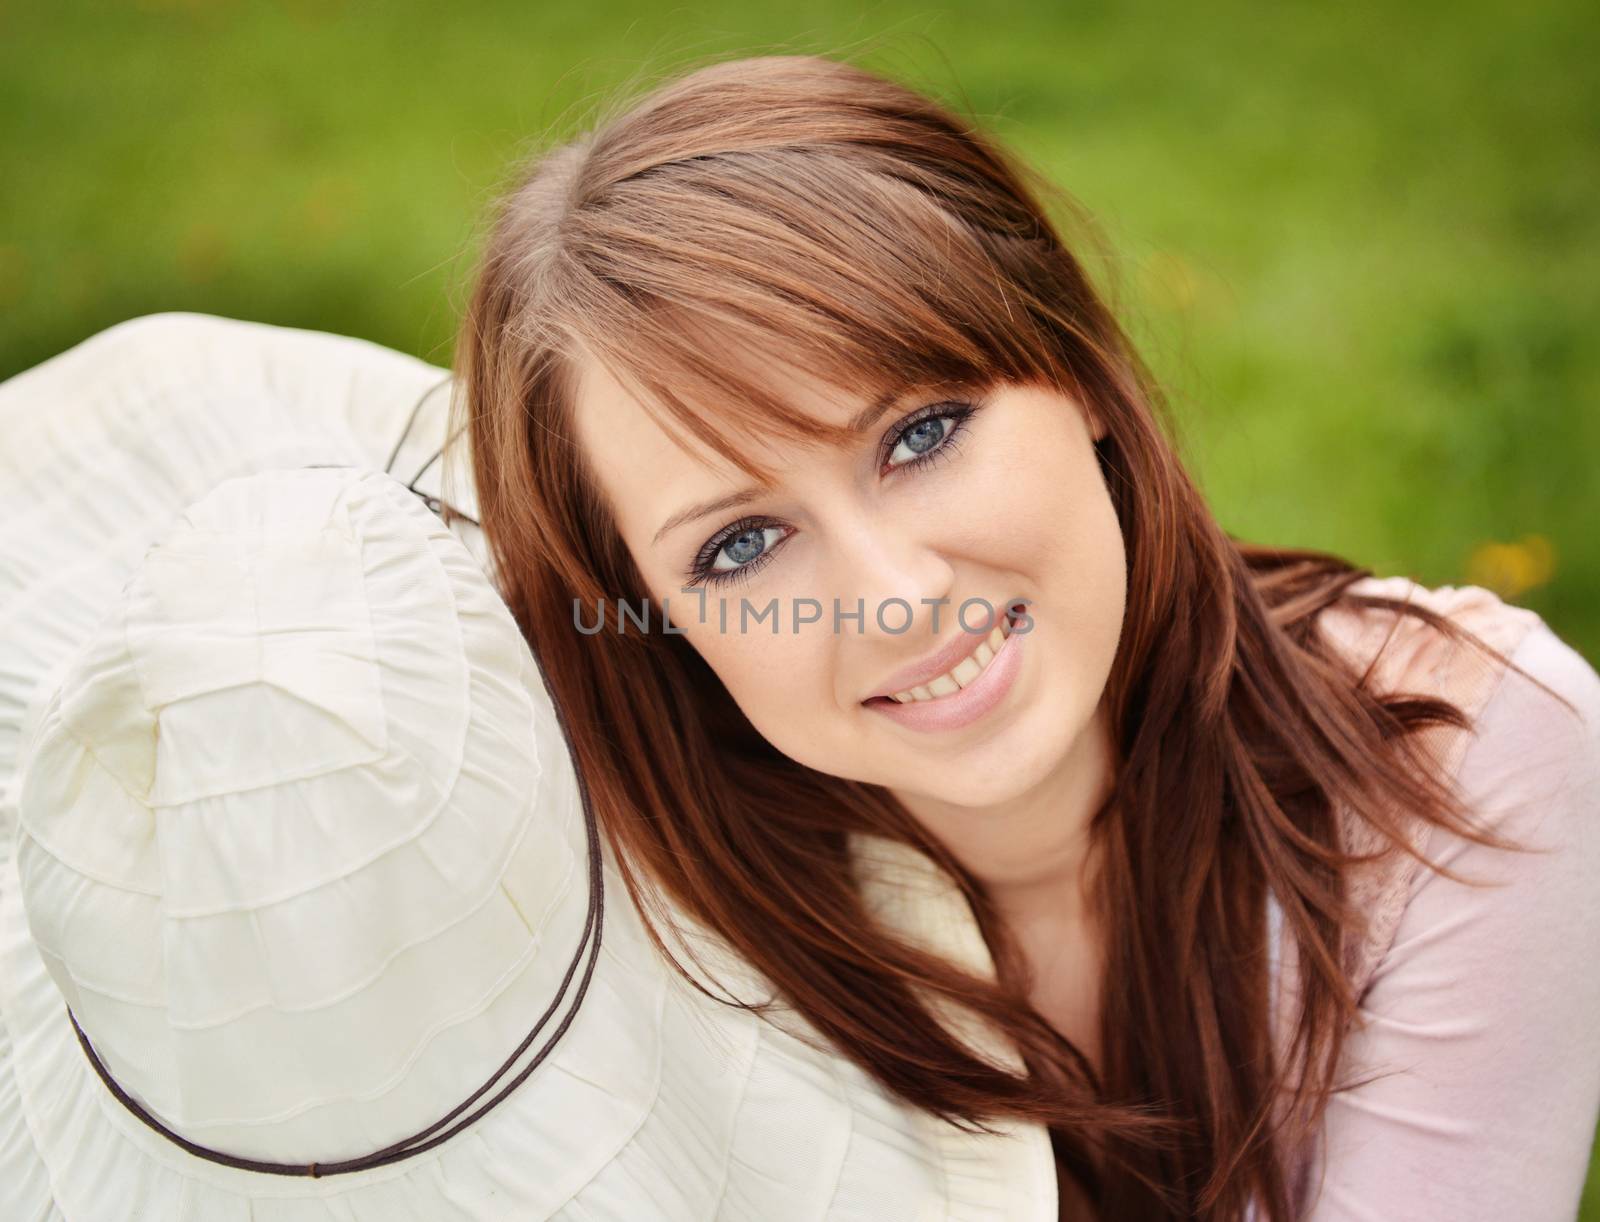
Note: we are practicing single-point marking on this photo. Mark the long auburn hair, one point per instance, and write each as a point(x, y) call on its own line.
point(805, 206)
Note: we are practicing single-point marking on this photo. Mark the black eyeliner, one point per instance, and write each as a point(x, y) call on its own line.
point(955, 410)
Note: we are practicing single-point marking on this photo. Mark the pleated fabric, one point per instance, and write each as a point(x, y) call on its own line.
point(325, 876)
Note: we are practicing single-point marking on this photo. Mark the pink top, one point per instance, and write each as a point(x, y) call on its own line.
point(1480, 1011)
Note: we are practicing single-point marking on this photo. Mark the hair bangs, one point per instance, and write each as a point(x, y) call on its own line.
point(888, 292)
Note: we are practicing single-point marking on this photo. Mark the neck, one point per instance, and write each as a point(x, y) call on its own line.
point(1032, 854)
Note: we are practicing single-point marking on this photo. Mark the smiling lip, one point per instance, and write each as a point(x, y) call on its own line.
point(958, 709)
point(960, 645)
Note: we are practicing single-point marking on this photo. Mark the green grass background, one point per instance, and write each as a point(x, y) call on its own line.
point(1358, 242)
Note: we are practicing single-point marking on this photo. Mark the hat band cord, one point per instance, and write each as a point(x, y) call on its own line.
point(407, 1147)
point(443, 508)
point(593, 924)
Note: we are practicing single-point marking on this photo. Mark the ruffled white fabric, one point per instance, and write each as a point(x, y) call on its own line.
point(298, 944)
point(655, 1103)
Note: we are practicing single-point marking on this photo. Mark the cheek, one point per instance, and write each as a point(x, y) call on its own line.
point(780, 682)
point(1041, 503)
point(1084, 583)
point(1063, 539)
point(1082, 539)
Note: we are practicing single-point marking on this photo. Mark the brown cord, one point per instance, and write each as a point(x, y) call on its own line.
point(405, 1148)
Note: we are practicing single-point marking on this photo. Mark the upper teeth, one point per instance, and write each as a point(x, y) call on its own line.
point(964, 672)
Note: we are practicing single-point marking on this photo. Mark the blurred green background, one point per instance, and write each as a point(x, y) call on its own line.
point(1358, 242)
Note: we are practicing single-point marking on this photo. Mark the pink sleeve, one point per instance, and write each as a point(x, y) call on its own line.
point(1482, 1029)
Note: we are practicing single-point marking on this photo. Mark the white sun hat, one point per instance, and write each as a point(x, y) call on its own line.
point(294, 858)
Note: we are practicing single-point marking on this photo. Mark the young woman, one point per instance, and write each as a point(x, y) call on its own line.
point(1286, 870)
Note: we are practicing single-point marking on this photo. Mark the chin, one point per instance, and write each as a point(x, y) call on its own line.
point(980, 797)
point(978, 789)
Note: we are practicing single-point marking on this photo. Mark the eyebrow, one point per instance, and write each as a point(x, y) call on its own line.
point(859, 423)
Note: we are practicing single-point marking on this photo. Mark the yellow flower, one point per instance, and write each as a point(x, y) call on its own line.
point(1509, 569)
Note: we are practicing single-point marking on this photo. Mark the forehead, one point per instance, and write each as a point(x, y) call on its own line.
point(648, 467)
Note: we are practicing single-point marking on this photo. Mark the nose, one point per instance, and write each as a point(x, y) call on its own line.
point(893, 572)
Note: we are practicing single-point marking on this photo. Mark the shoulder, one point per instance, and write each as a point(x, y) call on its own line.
point(1534, 753)
point(1475, 1066)
point(1403, 654)
point(1529, 775)
point(1540, 686)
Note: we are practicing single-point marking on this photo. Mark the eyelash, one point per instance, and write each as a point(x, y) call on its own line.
point(957, 412)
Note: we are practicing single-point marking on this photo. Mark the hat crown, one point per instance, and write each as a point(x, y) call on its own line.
point(286, 843)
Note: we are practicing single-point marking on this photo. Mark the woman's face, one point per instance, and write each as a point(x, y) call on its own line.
point(998, 499)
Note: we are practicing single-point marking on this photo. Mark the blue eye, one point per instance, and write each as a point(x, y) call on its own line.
point(928, 436)
point(923, 438)
point(748, 545)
